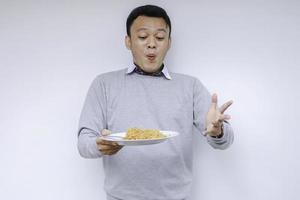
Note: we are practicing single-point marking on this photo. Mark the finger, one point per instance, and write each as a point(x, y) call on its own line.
point(116, 149)
point(100, 141)
point(105, 132)
point(104, 148)
point(221, 119)
point(225, 106)
point(110, 152)
point(109, 143)
point(107, 152)
point(107, 147)
point(225, 117)
point(214, 100)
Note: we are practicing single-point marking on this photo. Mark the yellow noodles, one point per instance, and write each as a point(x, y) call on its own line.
point(136, 133)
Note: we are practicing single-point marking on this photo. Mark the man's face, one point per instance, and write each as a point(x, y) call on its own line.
point(149, 42)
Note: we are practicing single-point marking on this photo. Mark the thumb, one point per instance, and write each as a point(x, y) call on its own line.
point(105, 132)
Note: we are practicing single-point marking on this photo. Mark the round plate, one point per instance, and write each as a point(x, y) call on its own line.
point(118, 137)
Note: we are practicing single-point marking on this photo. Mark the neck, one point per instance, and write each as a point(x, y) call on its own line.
point(150, 73)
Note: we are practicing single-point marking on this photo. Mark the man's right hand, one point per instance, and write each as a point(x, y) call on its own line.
point(107, 147)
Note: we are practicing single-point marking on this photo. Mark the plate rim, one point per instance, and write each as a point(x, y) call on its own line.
point(140, 140)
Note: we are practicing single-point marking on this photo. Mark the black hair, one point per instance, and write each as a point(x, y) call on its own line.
point(149, 11)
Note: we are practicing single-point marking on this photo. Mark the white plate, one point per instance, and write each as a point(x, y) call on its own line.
point(118, 137)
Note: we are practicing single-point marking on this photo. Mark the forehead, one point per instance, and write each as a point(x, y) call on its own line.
point(149, 23)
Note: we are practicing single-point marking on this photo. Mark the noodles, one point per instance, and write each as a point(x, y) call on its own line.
point(136, 134)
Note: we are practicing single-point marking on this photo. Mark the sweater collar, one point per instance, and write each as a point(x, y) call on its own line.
point(137, 69)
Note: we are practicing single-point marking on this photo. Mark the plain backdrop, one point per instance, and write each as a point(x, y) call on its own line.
point(248, 51)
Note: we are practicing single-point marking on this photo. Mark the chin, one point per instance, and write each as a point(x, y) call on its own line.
point(151, 68)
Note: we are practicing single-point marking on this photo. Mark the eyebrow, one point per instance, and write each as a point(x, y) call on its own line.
point(160, 29)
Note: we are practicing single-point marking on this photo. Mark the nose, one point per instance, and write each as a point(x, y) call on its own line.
point(151, 43)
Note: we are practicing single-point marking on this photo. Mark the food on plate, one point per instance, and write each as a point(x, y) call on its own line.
point(137, 134)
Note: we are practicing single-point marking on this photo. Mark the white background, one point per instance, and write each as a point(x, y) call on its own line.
point(247, 51)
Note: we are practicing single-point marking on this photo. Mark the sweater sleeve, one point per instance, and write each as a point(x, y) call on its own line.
point(201, 103)
point(92, 120)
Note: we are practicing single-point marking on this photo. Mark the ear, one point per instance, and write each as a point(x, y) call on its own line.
point(128, 42)
point(169, 45)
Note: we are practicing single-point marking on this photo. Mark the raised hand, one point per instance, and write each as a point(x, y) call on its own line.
point(215, 117)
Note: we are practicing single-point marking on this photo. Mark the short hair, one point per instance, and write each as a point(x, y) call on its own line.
point(149, 11)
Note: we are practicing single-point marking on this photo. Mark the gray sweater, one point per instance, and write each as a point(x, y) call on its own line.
point(117, 101)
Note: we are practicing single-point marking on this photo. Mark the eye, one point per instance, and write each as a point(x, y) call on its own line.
point(160, 38)
point(142, 37)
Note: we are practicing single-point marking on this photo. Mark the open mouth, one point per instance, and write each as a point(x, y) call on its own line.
point(151, 57)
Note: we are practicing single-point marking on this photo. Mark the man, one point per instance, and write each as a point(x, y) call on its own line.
point(147, 95)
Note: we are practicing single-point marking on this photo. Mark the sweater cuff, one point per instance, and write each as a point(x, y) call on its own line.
point(226, 135)
point(87, 145)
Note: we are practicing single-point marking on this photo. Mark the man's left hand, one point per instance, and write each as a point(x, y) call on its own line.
point(215, 117)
